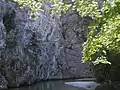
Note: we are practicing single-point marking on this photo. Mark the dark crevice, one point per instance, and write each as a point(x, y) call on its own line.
point(8, 21)
point(9, 24)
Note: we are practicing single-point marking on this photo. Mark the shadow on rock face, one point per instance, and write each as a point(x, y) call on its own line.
point(105, 87)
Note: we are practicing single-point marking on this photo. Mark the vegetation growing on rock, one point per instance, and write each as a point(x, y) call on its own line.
point(104, 36)
point(103, 41)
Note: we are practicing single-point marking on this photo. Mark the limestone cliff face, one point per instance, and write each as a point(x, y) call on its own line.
point(75, 30)
point(47, 48)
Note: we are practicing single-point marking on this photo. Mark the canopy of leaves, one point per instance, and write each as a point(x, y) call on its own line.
point(104, 35)
point(107, 39)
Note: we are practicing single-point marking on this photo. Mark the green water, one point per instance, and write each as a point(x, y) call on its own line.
point(48, 85)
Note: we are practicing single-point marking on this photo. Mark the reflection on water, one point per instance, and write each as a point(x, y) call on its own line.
point(51, 85)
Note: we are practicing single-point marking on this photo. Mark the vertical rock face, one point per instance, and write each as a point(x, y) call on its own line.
point(75, 31)
point(38, 50)
point(3, 82)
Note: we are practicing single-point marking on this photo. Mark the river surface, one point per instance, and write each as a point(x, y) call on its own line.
point(49, 85)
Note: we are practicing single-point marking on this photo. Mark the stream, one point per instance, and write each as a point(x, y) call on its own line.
point(49, 85)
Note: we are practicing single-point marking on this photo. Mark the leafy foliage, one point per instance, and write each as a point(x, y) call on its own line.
point(100, 43)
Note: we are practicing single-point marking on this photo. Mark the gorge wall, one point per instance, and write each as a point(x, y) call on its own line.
point(47, 48)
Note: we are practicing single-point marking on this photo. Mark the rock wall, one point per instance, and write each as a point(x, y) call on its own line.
point(47, 48)
point(75, 29)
